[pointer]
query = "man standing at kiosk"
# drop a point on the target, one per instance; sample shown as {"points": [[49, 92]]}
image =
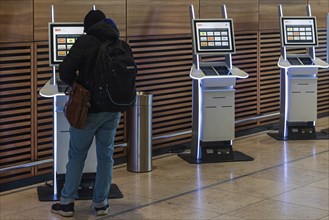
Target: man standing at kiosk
{"points": [[102, 125]]}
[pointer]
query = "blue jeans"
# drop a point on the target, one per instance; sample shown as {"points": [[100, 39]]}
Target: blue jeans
{"points": [[103, 126]]}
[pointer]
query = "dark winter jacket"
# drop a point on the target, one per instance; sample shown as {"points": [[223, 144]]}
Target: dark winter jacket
{"points": [[79, 64]]}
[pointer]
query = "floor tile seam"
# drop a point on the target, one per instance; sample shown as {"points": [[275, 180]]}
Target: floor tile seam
{"points": [[215, 184], [301, 186], [261, 199], [272, 200], [325, 170], [13, 191], [258, 196], [23, 211], [295, 188], [292, 203], [251, 204]]}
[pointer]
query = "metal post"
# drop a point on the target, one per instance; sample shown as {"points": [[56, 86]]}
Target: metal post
{"points": [[139, 134], [53, 82], [195, 57]]}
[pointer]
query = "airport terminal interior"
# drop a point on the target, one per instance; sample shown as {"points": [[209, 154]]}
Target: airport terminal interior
{"points": [[231, 118]]}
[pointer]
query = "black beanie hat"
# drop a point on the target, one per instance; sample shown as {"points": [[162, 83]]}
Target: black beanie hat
{"points": [[92, 18]]}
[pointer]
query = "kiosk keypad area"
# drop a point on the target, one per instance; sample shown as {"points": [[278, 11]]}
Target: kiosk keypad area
{"points": [[215, 70], [300, 61]]}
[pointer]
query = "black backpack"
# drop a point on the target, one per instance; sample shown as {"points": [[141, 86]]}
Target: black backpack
{"points": [[114, 88]]}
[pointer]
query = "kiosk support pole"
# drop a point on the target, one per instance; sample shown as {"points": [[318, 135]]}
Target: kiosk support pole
{"points": [[55, 119], [228, 57], [224, 11], [196, 58], [195, 149], [311, 50], [283, 49], [280, 10], [283, 96], [283, 104], [308, 10], [53, 82]]}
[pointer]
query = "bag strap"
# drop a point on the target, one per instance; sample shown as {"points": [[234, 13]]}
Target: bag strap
{"points": [[101, 47]]}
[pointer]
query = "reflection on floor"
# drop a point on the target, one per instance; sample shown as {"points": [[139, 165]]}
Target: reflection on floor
{"points": [[287, 180]]}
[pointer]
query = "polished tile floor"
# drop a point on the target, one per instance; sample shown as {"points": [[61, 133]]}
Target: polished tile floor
{"points": [[286, 180]]}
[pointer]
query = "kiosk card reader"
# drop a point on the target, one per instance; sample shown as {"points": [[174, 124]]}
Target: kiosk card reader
{"points": [[298, 78], [213, 93]]}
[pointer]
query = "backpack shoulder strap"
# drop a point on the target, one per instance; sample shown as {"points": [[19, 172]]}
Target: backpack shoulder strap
{"points": [[127, 47], [101, 46], [99, 43]]}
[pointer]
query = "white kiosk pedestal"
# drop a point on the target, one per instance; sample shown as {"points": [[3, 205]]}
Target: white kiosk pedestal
{"points": [[213, 93], [298, 80], [61, 133]]}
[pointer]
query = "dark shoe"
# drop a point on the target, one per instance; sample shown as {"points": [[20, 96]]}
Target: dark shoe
{"points": [[63, 210], [102, 211]]}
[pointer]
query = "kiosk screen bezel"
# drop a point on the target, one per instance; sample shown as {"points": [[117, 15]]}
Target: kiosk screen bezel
{"points": [[225, 26], [302, 22], [67, 32]]}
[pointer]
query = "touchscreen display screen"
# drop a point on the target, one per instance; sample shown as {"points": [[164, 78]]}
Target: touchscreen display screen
{"points": [[213, 36], [299, 31], [61, 38]]}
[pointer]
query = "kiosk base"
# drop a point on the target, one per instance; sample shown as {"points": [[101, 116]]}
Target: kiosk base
{"points": [[237, 156], [46, 193], [85, 191], [216, 152], [318, 136], [300, 131]]}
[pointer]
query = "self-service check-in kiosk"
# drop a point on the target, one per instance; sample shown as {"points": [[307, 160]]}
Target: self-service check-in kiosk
{"points": [[213, 93], [298, 78], [62, 35]]}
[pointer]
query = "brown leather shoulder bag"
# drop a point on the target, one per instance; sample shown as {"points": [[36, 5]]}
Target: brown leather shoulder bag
{"points": [[77, 105]]}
